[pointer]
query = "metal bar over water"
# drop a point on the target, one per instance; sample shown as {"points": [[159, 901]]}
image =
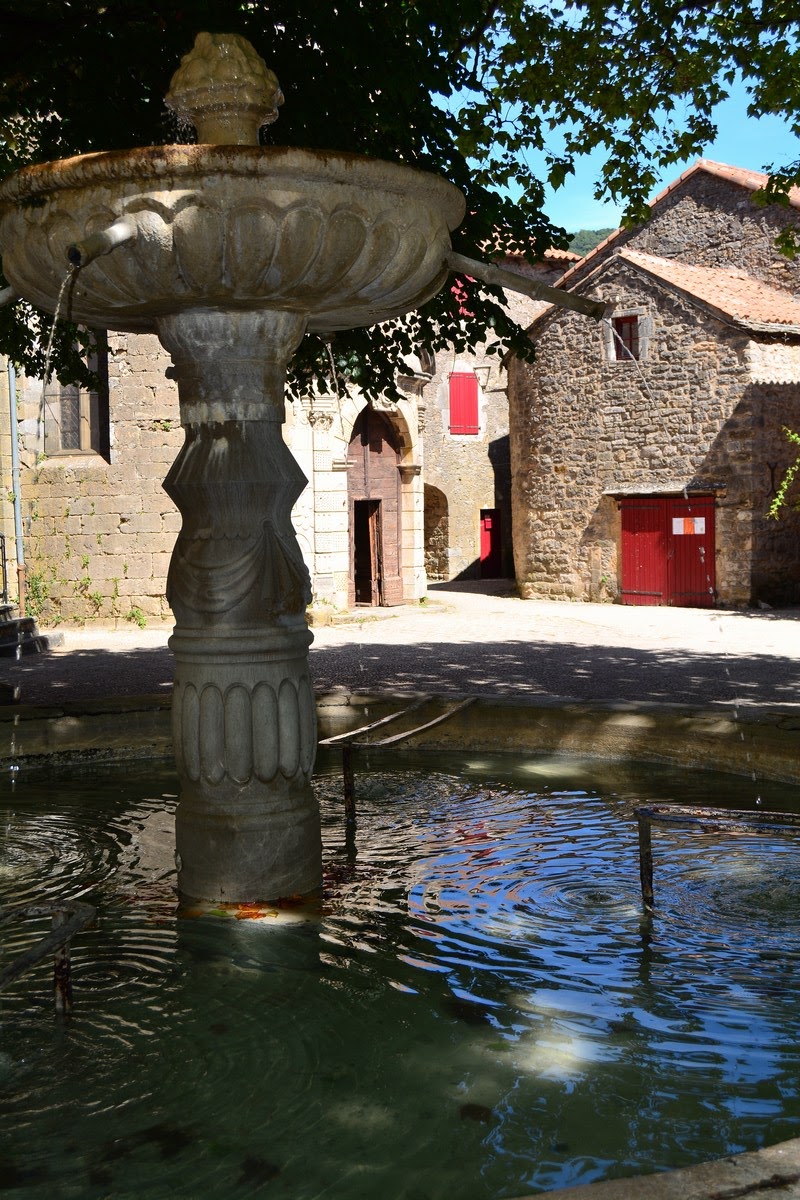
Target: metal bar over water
{"points": [[348, 743], [68, 919], [354, 733], [396, 738], [709, 819]]}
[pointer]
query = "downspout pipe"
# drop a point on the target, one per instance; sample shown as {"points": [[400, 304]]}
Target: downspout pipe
{"points": [[12, 404], [123, 230], [499, 277]]}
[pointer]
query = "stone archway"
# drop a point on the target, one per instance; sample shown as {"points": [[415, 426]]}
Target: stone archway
{"points": [[437, 535], [374, 494]]}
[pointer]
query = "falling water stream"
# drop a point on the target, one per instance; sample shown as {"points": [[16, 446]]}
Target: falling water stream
{"points": [[475, 1008], [68, 279]]}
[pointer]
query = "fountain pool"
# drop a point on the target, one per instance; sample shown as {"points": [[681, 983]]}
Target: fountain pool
{"points": [[476, 1008]]}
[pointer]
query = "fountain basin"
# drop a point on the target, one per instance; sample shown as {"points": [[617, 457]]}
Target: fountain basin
{"points": [[344, 239], [475, 1008]]}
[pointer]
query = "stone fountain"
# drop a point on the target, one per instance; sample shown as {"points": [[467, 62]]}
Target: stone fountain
{"points": [[230, 252]]}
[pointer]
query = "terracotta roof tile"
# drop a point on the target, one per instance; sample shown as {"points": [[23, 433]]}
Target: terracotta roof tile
{"points": [[554, 255], [733, 293]]}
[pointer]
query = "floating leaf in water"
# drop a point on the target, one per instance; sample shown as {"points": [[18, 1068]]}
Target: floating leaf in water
{"points": [[249, 912]]}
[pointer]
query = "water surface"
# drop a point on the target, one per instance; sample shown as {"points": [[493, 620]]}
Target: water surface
{"points": [[476, 1009]]}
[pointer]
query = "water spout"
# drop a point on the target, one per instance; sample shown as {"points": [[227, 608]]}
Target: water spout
{"points": [[528, 287], [102, 242]]}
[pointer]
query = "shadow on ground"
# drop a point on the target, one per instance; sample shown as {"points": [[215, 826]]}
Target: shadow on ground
{"points": [[524, 669]]}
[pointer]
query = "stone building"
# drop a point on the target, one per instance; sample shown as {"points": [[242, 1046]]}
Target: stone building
{"points": [[97, 527], [463, 413], [645, 449]]}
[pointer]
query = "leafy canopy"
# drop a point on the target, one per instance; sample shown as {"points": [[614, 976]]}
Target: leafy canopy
{"points": [[465, 90]]}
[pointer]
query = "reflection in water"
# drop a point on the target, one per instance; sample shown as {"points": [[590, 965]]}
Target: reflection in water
{"points": [[476, 1007]]}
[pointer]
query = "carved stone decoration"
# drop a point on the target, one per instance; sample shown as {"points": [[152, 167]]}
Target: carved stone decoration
{"points": [[225, 90], [349, 242], [320, 420], [244, 721]]}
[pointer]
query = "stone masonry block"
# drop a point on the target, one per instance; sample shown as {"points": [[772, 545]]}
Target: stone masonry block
{"points": [[139, 567]]}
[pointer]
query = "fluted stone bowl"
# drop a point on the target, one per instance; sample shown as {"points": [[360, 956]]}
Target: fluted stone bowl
{"points": [[347, 240]]}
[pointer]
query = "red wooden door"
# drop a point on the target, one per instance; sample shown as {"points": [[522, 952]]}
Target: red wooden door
{"points": [[667, 551], [690, 552], [491, 544], [644, 558]]}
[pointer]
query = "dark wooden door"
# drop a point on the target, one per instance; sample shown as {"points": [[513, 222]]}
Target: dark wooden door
{"points": [[375, 500], [367, 552]]}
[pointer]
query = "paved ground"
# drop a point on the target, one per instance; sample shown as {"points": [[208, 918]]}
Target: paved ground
{"points": [[478, 638]]}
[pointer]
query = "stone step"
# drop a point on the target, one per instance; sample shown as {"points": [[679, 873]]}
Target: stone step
{"points": [[21, 635]]}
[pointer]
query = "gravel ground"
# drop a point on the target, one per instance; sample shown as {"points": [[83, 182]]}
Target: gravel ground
{"points": [[477, 638]]}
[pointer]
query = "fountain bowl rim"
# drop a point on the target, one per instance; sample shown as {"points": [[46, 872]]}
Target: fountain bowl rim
{"points": [[176, 165]]}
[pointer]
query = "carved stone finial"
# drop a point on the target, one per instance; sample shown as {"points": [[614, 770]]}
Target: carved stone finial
{"points": [[225, 89]]}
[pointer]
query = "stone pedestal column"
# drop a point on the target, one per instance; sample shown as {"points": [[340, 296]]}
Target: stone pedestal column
{"points": [[244, 722]]}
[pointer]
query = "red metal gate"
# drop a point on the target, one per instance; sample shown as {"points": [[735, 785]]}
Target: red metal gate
{"points": [[668, 551]]}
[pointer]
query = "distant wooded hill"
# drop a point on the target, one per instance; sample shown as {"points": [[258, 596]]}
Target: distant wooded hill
{"points": [[586, 240]]}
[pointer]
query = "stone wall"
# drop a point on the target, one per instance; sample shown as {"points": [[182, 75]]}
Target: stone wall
{"points": [[98, 534], [688, 415], [585, 429], [467, 472], [709, 222]]}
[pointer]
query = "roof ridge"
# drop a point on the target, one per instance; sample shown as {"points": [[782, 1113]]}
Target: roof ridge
{"points": [[743, 176]]}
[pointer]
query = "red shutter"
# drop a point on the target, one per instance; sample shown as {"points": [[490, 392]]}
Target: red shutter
{"points": [[464, 402]]}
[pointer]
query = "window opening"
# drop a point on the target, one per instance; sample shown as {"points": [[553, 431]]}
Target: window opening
{"points": [[626, 337], [76, 419]]}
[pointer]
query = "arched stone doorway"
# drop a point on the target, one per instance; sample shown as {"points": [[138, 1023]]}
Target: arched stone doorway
{"points": [[437, 535], [375, 511]]}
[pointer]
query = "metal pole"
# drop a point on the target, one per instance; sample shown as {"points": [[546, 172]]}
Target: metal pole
{"points": [[12, 404], [62, 971], [348, 778], [645, 861]]}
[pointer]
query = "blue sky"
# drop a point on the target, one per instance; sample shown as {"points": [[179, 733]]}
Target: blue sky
{"points": [[742, 141]]}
